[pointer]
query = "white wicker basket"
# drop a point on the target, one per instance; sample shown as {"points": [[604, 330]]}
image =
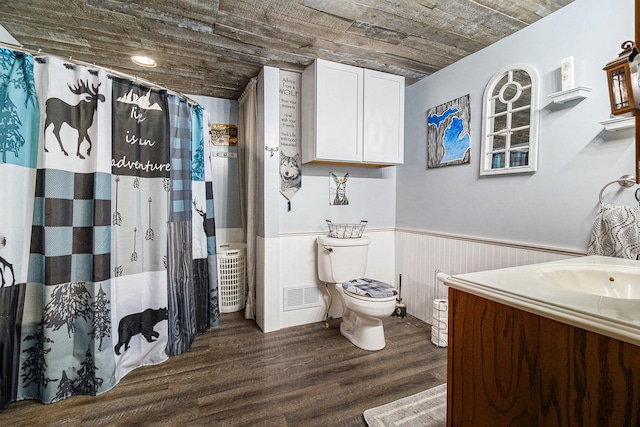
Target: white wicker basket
{"points": [[232, 276]]}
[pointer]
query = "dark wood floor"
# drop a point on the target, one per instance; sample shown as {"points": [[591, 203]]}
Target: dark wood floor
{"points": [[237, 376]]}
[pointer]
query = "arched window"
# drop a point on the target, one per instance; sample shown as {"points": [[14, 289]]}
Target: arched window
{"points": [[510, 122]]}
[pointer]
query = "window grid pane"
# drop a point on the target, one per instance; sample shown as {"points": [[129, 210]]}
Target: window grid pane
{"points": [[508, 134]]}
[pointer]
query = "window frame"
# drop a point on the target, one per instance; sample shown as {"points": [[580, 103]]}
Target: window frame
{"points": [[488, 153]]}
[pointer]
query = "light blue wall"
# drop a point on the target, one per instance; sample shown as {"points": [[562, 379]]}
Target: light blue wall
{"points": [[226, 186], [371, 194], [556, 205], [371, 191]]}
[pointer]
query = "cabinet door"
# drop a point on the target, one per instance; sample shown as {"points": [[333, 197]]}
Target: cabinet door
{"points": [[339, 112], [508, 367], [383, 118]]}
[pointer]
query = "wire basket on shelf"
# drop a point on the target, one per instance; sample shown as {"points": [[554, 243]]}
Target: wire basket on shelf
{"points": [[346, 231]]}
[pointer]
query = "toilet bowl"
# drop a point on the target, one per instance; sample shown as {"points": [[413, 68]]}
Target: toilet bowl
{"points": [[343, 260], [362, 318]]}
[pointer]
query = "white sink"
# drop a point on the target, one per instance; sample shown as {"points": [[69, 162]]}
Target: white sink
{"points": [[611, 281], [597, 293]]}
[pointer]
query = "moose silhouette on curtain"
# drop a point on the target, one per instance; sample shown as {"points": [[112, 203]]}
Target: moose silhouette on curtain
{"points": [[79, 116]]}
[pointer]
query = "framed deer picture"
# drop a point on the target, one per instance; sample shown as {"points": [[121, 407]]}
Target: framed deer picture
{"points": [[338, 189]]}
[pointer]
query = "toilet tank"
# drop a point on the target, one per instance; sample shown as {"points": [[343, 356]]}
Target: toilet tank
{"points": [[340, 260]]}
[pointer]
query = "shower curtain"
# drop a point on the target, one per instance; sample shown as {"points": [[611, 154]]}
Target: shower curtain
{"points": [[141, 169], [19, 120], [204, 241], [248, 160], [99, 272]]}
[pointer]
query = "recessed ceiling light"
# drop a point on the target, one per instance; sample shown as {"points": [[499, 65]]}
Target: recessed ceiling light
{"points": [[144, 61]]}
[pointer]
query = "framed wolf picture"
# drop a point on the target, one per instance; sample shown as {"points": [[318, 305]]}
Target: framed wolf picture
{"points": [[290, 159], [290, 174], [448, 134]]}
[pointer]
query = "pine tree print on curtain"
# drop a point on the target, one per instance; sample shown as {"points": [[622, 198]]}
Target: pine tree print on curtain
{"points": [[202, 220], [140, 189], [210, 231], [19, 122], [68, 291], [181, 292]]}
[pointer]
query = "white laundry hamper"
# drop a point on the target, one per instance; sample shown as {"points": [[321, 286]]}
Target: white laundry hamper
{"points": [[232, 276]]}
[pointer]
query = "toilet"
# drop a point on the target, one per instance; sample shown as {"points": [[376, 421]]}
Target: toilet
{"points": [[343, 262]]}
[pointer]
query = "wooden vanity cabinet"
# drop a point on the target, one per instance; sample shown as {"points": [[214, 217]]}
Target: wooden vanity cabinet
{"points": [[508, 367]]}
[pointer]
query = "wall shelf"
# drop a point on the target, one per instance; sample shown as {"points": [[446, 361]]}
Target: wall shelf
{"points": [[618, 123], [563, 96]]}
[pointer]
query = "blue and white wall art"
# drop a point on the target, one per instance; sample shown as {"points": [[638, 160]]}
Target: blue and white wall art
{"points": [[448, 135]]}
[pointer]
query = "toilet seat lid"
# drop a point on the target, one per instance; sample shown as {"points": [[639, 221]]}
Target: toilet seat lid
{"points": [[365, 298], [369, 290]]}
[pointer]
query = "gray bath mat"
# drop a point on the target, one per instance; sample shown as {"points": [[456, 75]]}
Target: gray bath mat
{"points": [[427, 408]]}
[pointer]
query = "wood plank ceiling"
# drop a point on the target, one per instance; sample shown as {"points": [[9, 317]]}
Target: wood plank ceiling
{"points": [[214, 47]]}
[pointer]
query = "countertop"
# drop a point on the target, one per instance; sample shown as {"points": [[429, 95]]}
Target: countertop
{"points": [[526, 288]]}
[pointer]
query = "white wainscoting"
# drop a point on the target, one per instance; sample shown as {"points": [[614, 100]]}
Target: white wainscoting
{"points": [[290, 261], [298, 267], [419, 254], [268, 305]]}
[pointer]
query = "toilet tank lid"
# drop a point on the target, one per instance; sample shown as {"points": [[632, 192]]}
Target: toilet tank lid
{"points": [[333, 241]]}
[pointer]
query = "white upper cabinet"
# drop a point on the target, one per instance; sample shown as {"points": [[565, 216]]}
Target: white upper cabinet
{"points": [[332, 112], [351, 115], [383, 118]]}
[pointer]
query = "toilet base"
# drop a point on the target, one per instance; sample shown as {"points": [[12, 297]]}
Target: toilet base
{"points": [[362, 319], [365, 333]]}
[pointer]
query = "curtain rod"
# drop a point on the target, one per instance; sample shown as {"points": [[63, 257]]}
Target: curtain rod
{"points": [[252, 82], [116, 73]]}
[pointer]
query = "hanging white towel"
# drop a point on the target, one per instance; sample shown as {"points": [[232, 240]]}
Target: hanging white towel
{"points": [[615, 232]]}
